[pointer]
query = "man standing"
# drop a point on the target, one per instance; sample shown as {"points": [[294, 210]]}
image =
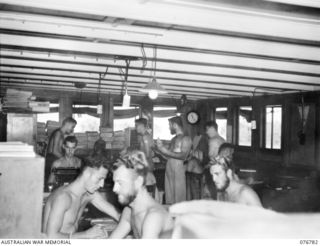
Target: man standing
{"points": [[146, 145], [175, 179], [54, 149], [229, 189], [142, 215], [214, 143], [65, 206], [198, 158], [68, 160]]}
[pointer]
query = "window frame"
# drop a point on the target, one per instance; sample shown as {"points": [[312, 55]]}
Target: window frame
{"points": [[215, 118], [264, 128], [237, 123]]}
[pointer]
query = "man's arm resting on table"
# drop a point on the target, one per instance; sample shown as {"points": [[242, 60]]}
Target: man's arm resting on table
{"points": [[153, 225], [103, 205], [124, 226], [55, 221]]}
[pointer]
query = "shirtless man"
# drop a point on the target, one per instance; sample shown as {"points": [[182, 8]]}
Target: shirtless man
{"points": [[142, 215], [229, 189], [175, 179], [214, 143], [65, 206], [68, 160], [146, 144], [54, 149]]}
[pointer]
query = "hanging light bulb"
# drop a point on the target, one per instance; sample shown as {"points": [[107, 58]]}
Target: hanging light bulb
{"points": [[153, 88], [153, 94]]}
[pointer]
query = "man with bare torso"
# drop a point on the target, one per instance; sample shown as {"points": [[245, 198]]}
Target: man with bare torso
{"points": [[68, 160], [175, 179], [229, 189], [54, 149], [65, 206], [214, 143], [146, 145], [142, 215]]}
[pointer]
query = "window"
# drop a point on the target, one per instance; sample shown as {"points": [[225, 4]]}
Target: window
{"points": [[273, 127], [244, 129], [121, 124], [85, 121], [160, 122], [221, 119]]}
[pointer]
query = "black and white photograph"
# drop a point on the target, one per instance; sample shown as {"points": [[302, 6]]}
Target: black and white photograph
{"points": [[159, 119]]}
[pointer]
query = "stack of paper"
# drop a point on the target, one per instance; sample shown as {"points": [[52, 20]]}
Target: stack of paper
{"points": [[16, 149]]}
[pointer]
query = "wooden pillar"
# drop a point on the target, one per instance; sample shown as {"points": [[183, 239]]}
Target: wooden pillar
{"points": [[107, 116], [147, 111], [317, 134], [65, 108]]}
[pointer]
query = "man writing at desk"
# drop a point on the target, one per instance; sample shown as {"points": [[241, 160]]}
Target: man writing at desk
{"points": [[68, 160], [54, 149], [65, 205]]}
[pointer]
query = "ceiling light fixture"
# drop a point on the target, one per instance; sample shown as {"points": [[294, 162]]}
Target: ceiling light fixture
{"points": [[153, 88], [126, 97]]}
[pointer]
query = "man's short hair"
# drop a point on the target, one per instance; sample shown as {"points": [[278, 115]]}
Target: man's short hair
{"points": [[69, 120], [212, 124], [135, 160], [70, 139], [223, 162], [142, 121], [177, 120], [100, 143], [225, 146]]}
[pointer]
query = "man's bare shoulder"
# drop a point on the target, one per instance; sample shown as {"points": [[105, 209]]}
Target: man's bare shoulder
{"points": [[187, 139], [248, 196], [216, 141], [60, 196], [58, 163]]}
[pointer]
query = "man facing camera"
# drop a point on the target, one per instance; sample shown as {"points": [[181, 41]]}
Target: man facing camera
{"points": [[142, 215], [68, 160], [65, 205], [229, 189]]}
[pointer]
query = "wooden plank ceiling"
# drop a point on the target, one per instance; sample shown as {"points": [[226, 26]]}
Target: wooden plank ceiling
{"points": [[205, 49]]}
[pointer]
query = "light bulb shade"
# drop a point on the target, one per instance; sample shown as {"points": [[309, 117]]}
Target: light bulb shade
{"points": [[155, 86], [153, 94]]}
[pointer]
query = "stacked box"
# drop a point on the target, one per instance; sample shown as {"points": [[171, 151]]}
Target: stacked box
{"points": [[118, 140], [92, 138], [82, 140], [39, 106], [41, 132], [17, 98]]}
